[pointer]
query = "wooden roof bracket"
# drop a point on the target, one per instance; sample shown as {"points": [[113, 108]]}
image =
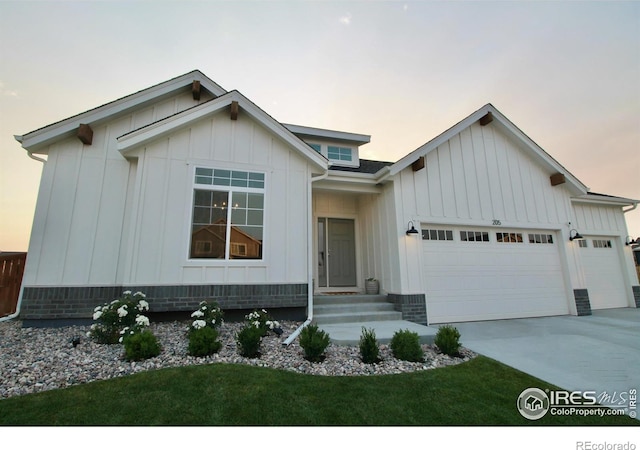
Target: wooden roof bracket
{"points": [[557, 178], [486, 119], [418, 164], [234, 110], [195, 90], [85, 134]]}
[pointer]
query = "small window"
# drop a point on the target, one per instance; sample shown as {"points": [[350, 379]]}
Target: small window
{"points": [[601, 243], [339, 153], [540, 238], [474, 236], [235, 178], [437, 235], [316, 147], [509, 237], [582, 243]]}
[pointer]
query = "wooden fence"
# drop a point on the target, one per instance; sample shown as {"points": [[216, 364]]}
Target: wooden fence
{"points": [[11, 271]]}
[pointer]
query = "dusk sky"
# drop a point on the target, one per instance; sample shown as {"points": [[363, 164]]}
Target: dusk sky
{"points": [[566, 73]]}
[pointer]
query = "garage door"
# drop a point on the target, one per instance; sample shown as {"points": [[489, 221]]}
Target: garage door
{"points": [[486, 274], [603, 273]]}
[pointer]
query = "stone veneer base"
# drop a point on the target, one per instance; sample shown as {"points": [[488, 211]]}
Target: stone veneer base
{"points": [[583, 305], [412, 306], [80, 301]]}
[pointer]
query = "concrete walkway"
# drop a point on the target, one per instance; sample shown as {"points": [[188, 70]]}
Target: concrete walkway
{"points": [[349, 333], [600, 352]]}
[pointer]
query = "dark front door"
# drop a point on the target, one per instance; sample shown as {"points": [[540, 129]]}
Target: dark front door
{"points": [[336, 252]]}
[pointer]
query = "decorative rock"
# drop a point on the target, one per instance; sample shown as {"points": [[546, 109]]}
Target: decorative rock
{"points": [[38, 359]]}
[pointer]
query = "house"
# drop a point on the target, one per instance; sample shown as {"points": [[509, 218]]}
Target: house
{"points": [[186, 191]]}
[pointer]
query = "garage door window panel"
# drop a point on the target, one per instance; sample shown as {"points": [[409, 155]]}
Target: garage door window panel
{"points": [[536, 238], [437, 235], [515, 238], [474, 236]]}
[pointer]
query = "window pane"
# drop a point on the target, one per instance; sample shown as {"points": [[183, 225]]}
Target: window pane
{"points": [[256, 201], [239, 216], [441, 235], [202, 198], [204, 172], [254, 217], [449, 235], [208, 229], [433, 234], [246, 226], [201, 215], [239, 199]]}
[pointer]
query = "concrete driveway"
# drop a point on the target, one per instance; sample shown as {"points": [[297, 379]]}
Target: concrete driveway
{"points": [[597, 353]]}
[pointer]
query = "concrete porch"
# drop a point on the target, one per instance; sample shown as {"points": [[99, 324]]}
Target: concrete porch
{"points": [[343, 316]]}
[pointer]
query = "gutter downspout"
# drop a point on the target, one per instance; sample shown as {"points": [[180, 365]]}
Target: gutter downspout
{"points": [[310, 286], [635, 205], [17, 313]]}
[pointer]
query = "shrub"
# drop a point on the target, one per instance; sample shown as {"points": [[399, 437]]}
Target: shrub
{"points": [[121, 314], [448, 340], [314, 342], [141, 345], [207, 315], [405, 345], [263, 320], [203, 342], [369, 349], [248, 340]]}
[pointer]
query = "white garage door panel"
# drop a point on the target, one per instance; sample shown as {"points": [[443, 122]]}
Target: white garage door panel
{"points": [[468, 281], [603, 275]]}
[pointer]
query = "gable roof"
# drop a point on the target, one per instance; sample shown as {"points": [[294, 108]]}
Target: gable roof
{"points": [[147, 133], [41, 137], [332, 135], [366, 166], [499, 120]]}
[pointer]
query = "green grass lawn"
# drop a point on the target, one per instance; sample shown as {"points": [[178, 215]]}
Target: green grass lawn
{"points": [[479, 392]]}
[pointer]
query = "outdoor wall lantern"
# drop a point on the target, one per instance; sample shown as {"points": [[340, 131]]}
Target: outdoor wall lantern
{"points": [[411, 229], [631, 241], [575, 237]]}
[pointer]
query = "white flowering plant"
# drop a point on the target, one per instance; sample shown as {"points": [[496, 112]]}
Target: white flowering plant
{"points": [[203, 333], [207, 315], [123, 316], [262, 320]]}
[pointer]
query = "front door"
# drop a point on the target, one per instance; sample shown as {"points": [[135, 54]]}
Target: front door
{"points": [[336, 252]]}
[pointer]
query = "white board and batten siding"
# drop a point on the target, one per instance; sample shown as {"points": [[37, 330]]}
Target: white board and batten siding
{"points": [[482, 180], [78, 236], [605, 262], [160, 251]]}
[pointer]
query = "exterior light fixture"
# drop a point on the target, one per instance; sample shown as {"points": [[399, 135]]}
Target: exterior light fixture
{"points": [[575, 237], [411, 229], [631, 241]]}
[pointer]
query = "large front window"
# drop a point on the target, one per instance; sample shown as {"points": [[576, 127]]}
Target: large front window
{"points": [[228, 214]]}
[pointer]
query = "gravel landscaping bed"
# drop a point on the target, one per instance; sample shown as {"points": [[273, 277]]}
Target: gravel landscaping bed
{"points": [[40, 359]]}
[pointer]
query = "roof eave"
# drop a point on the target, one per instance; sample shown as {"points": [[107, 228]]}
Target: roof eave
{"points": [[137, 138], [575, 186], [37, 139], [604, 200], [321, 133]]}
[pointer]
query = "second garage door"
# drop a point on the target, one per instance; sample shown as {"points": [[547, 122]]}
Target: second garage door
{"points": [[603, 273], [485, 274]]}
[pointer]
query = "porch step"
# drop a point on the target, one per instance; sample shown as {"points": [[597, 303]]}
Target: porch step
{"points": [[334, 309]]}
